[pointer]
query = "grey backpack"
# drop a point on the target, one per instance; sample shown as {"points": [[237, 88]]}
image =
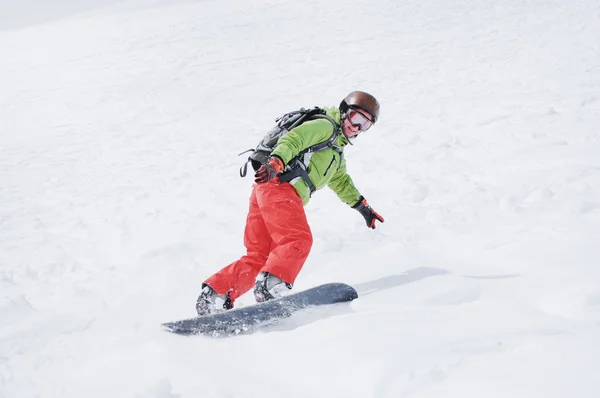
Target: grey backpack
{"points": [[285, 123]]}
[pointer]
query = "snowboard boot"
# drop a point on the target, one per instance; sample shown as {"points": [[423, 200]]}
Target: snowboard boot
{"points": [[269, 287], [210, 302]]}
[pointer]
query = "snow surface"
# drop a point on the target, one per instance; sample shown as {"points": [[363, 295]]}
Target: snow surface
{"points": [[119, 194]]}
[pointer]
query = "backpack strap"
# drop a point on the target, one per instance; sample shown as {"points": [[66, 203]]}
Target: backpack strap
{"points": [[330, 143], [244, 167], [297, 169]]}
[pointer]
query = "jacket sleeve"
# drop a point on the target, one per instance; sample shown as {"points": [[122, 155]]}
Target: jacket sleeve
{"points": [[342, 185], [304, 136]]}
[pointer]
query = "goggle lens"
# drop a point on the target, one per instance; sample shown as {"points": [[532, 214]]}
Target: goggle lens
{"points": [[359, 120]]}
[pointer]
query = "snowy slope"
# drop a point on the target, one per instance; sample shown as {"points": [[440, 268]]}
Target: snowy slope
{"points": [[120, 194]]}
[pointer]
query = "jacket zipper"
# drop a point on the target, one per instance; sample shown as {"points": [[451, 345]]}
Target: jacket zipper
{"points": [[328, 167]]}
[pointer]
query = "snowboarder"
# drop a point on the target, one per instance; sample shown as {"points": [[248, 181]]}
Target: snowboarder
{"points": [[277, 235]]}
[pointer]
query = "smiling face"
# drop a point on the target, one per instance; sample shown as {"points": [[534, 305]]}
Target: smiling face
{"points": [[356, 121]]}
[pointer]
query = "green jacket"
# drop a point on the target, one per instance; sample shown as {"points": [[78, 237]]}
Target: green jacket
{"points": [[324, 168]]}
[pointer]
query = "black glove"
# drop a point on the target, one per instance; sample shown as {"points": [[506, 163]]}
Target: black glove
{"points": [[367, 212], [269, 170]]}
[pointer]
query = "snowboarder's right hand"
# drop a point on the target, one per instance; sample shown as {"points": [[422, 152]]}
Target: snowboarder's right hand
{"points": [[367, 212], [269, 170]]}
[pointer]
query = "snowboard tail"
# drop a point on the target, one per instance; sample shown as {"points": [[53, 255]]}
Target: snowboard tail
{"points": [[248, 319]]}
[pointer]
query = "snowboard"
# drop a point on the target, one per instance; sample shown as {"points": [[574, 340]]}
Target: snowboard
{"points": [[248, 319]]}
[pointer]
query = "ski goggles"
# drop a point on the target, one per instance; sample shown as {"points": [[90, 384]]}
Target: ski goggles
{"points": [[359, 120]]}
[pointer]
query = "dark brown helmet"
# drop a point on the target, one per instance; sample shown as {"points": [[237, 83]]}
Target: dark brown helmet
{"points": [[362, 100]]}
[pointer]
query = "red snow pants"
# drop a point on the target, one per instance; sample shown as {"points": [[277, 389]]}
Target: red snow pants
{"points": [[277, 239]]}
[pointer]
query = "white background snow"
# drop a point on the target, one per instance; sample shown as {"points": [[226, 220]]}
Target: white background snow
{"points": [[120, 127]]}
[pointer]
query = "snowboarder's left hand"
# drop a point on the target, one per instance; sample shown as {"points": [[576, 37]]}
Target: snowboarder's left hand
{"points": [[367, 212], [269, 170]]}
